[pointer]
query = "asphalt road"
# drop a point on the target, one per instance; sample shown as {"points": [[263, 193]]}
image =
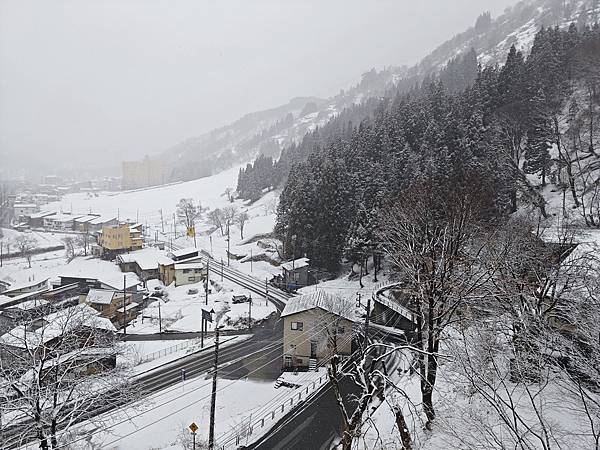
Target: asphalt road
{"points": [[318, 422]]}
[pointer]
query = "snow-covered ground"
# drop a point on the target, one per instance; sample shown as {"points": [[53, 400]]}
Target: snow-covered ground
{"points": [[182, 310], [161, 420], [53, 264], [42, 239]]}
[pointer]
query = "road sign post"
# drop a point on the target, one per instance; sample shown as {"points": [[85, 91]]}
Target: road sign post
{"points": [[193, 428]]}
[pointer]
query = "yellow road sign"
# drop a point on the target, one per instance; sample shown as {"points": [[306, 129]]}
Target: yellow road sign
{"points": [[193, 427]]}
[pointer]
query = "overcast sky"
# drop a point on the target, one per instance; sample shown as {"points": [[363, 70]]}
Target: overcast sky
{"points": [[107, 80]]}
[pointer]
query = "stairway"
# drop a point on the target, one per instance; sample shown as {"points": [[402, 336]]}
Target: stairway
{"points": [[312, 364]]}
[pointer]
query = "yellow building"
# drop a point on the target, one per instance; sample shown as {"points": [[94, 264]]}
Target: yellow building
{"points": [[119, 239], [143, 173]]}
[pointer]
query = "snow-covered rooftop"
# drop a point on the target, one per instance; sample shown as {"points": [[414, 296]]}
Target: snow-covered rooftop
{"points": [[100, 296], [102, 220], [57, 324], [41, 215], [184, 252], [63, 218], [320, 299], [86, 219], [296, 264], [30, 304], [41, 283], [147, 258]]}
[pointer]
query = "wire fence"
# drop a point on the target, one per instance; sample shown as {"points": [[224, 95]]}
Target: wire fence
{"points": [[166, 351]]}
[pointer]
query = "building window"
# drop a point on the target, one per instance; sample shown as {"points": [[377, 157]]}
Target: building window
{"points": [[341, 330], [293, 348], [297, 326]]}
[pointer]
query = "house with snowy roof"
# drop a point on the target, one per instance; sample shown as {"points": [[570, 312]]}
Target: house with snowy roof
{"points": [[110, 305], [40, 335], [295, 273], [315, 327], [144, 263]]}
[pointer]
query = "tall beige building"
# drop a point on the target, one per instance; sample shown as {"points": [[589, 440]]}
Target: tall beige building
{"points": [[143, 173]]}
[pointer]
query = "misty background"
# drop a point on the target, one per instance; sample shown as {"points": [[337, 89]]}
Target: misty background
{"points": [[95, 82]]}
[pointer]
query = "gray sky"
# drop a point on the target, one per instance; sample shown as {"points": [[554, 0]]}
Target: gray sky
{"points": [[107, 80]]}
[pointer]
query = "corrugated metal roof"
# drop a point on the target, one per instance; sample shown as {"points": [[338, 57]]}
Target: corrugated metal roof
{"points": [[320, 299]]}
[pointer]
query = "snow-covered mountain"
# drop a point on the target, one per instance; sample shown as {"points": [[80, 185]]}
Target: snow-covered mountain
{"points": [[271, 130]]}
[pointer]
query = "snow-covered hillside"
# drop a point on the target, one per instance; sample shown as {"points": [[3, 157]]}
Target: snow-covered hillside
{"points": [[270, 131]]}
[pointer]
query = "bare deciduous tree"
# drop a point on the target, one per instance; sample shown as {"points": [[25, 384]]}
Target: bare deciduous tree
{"points": [[241, 220], [229, 193], [26, 245], [229, 215], [434, 237], [56, 371], [69, 244], [84, 241], [215, 218], [188, 212]]}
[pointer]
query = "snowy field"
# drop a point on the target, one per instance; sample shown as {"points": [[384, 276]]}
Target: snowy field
{"points": [[155, 208], [42, 239]]}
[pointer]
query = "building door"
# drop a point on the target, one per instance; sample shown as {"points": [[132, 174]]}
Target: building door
{"points": [[287, 362], [313, 349]]}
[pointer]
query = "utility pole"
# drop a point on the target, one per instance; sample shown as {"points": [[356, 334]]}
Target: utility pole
{"points": [[137, 216], [250, 312], [159, 320], [266, 292], [211, 249], [174, 226], [221, 269], [250, 260], [1, 255], [202, 332], [213, 398], [118, 214], [124, 311], [162, 222], [367, 323], [207, 281], [194, 229], [228, 240]]}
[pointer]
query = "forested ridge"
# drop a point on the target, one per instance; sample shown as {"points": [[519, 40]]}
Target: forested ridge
{"points": [[535, 115]]}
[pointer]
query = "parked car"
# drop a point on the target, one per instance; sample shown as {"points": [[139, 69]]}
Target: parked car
{"points": [[192, 291], [239, 298]]}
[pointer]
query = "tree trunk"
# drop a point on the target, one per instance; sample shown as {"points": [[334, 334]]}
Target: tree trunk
{"points": [[53, 439], [567, 161], [403, 429], [347, 441]]}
